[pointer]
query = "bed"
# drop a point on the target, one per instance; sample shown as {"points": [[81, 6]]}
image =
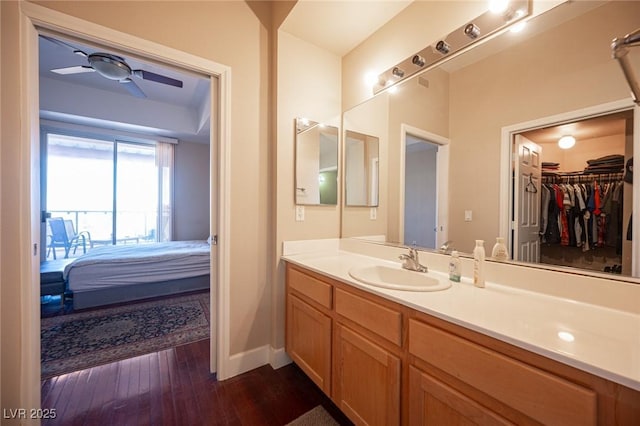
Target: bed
{"points": [[122, 273]]}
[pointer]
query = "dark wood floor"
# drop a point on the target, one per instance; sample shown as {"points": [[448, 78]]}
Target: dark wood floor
{"points": [[174, 387]]}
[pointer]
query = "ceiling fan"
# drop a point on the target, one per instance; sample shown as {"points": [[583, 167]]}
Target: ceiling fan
{"points": [[113, 67]]}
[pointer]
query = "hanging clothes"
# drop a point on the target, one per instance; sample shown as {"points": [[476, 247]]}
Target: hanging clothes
{"points": [[586, 215]]}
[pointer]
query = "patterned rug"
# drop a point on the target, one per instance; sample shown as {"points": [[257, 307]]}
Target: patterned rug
{"points": [[82, 340]]}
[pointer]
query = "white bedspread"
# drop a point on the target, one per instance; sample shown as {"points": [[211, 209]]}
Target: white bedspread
{"points": [[120, 265]]}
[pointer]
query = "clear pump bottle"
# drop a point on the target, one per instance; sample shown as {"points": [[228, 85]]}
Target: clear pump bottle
{"points": [[454, 267], [478, 264]]}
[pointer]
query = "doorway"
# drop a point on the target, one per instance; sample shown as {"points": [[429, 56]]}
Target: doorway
{"points": [[575, 206], [424, 169], [33, 18], [420, 192], [114, 186]]}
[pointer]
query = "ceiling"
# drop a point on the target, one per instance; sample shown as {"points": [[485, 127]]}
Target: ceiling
{"points": [[598, 127], [183, 113], [340, 26], [92, 94]]}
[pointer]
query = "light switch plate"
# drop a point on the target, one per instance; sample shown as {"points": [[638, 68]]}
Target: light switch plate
{"points": [[373, 213], [468, 215], [299, 213]]}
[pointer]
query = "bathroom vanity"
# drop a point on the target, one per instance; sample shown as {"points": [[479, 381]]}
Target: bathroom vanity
{"points": [[461, 354]]}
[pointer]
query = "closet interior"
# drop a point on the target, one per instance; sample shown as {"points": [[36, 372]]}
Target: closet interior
{"points": [[586, 194]]}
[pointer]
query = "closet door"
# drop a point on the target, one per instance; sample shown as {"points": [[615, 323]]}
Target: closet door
{"points": [[526, 201]]}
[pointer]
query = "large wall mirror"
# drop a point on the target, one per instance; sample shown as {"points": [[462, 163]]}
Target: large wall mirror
{"points": [[541, 83], [316, 179]]}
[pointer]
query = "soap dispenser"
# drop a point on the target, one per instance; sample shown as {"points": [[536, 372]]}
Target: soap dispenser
{"points": [[478, 264], [454, 267]]}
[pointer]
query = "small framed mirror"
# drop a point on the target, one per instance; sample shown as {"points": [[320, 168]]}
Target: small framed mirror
{"points": [[316, 178], [361, 156]]}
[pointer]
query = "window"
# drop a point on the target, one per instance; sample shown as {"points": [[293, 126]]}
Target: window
{"points": [[119, 192]]}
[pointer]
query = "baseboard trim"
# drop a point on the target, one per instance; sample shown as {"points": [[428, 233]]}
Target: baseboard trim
{"points": [[254, 358], [278, 358], [246, 361]]}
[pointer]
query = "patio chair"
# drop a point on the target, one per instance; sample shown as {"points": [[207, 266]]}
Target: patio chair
{"points": [[63, 234]]}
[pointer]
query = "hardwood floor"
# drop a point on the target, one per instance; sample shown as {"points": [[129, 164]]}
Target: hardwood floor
{"points": [[174, 387]]}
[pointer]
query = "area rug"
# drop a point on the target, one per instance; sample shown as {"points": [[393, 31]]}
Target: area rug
{"points": [[87, 339], [315, 417]]}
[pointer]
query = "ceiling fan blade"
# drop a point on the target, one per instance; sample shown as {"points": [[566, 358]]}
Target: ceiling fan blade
{"points": [[148, 75], [65, 45], [73, 70], [133, 88]]}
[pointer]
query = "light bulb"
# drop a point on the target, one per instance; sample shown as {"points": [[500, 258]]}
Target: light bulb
{"points": [[370, 79], [498, 6], [566, 142]]}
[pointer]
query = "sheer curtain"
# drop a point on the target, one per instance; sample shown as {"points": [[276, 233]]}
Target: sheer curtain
{"points": [[164, 164]]}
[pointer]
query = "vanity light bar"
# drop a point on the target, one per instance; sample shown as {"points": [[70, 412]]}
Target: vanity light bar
{"points": [[483, 27]]}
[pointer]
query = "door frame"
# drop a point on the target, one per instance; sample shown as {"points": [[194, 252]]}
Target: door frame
{"points": [[442, 180], [506, 161], [34, 17]]}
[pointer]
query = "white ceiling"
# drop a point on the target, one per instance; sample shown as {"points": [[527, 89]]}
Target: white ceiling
{"points": [[90, 96], [340, 26]]}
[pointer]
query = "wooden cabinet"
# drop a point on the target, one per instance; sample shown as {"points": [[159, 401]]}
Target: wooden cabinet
{"points": [[308, 326], [308, 341], [383, 363], [366, 379], [359, 366], [518, 389], [433, 402]]}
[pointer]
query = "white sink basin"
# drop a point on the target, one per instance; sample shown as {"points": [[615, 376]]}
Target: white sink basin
{"points": [[398, 278]]}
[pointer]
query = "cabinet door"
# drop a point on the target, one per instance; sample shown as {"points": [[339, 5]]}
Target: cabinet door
{"points": [[432, 402], [366, 379], [308, 341]]}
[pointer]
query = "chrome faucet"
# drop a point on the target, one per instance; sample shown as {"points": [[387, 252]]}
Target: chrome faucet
{"points": [[412, 261], [446, 247]]}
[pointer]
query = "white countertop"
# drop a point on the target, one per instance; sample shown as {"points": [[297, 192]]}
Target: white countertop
{"points": [[606, 341]]}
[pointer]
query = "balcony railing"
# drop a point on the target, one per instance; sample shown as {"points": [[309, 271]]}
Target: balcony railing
{"points": [[132, 227]]}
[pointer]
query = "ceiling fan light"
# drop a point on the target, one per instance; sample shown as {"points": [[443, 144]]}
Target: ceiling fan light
{"points": [[566, 142], [109, 66]]}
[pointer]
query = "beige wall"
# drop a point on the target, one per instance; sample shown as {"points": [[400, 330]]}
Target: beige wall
{"points": [[308, 85], [420, 23], [199, 28], [1, 276], [10, 303], [514, 87]]}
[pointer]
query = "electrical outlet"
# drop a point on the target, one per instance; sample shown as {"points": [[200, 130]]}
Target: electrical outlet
{"points": [[299, 213], [373, 213], [468, 215]]}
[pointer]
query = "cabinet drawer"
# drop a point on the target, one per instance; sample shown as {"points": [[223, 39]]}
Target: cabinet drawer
{"points": [[540, 395], [309, 286], [377, 318]]}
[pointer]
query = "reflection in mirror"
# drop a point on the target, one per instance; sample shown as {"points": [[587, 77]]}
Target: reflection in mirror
{"points": [[316, 179], [509, 85], [361, 156]]}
